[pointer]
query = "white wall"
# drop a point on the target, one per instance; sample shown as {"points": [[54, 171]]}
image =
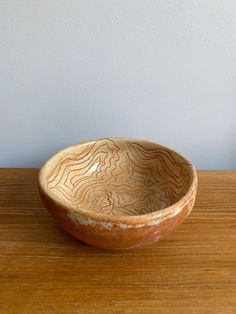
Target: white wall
{"points": [[72, 70]]}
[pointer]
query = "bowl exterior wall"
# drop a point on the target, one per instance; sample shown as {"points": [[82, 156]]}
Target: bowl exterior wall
{"points": [[117, 236]]}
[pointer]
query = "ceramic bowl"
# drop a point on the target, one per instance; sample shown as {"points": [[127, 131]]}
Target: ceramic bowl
{"points": [[118, 193]]}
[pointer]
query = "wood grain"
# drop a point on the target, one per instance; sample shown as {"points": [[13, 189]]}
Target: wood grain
{"points": [[44, 270]]}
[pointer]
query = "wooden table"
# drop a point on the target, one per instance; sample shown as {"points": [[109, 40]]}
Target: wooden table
{"points": [[45, 270]]}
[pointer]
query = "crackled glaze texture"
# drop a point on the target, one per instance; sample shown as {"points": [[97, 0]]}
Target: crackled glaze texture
{"points": [[120, 178], [118, 193]]}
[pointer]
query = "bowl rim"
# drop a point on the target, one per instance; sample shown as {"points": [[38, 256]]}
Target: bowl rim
{"points": [[130, 219]]}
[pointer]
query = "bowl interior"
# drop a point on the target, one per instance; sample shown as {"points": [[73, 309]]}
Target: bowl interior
{"points": [[121, 177]]}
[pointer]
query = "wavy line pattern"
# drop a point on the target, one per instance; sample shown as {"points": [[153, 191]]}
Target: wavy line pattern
{"points": [[118, 177]]}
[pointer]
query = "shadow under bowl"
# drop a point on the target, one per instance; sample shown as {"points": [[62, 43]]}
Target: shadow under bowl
{"points": [[118, 193]]}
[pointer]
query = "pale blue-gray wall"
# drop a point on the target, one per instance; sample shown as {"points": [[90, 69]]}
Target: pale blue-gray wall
{"points": [[75, 70]]}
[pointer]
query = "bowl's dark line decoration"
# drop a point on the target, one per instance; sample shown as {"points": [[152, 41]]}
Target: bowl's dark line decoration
{"points": [[120, 178]]}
